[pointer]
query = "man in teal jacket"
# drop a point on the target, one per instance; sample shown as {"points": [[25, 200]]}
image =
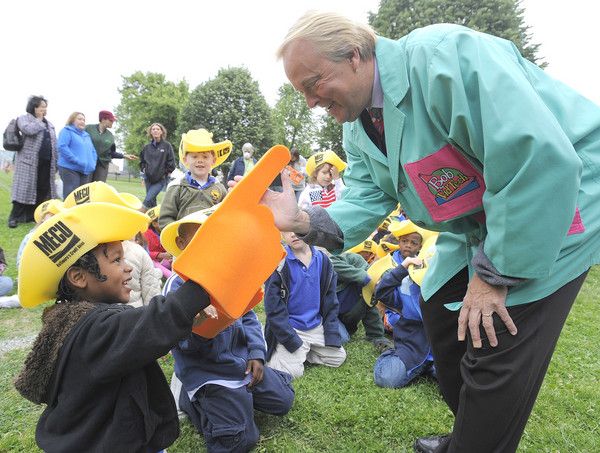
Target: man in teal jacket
{"points": [[484, 146]]}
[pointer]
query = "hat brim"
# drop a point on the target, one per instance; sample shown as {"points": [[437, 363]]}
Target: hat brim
{"points": [[329, 157], [101, 192], [169, 233], [51, 206], [417, 274], [375, 271], [60, 241], [221, 150]]}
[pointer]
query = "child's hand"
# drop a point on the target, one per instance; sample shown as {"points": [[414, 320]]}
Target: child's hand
{"points": [[412, 260], [335, 174], [255, 367], [211, 312]]}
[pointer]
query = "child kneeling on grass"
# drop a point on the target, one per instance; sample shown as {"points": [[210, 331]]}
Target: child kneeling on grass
{"points": [[224, 378], [411, 355], [302, 311], [94, 362]]}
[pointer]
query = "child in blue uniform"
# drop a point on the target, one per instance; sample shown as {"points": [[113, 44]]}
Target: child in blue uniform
{"points": [[224, 378], [411, 356]]}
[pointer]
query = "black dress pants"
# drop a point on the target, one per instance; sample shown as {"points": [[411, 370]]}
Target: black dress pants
{"points": [[491, 391]]}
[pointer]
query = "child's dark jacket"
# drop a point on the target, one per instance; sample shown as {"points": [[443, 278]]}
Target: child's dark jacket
{"points": [[277, 325], [106, 391]]}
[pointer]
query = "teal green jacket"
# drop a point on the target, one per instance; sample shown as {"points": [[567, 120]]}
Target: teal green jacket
{"points": [[485, 146]]}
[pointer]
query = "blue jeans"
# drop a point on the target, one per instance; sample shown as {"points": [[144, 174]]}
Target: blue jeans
{"points": [[390, 371], [6, 285], [72, 180], [152, 191]]}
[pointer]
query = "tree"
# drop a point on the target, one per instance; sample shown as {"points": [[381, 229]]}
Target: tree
{"points": [[503, 18], [293, 120], [232, 107], [330, 136], [148, 98]]}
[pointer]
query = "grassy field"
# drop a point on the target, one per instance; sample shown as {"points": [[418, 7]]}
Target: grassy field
{"points": [[341, 409]]}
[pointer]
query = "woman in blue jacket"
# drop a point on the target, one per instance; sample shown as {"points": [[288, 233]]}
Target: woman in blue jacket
{"points": [[76, 154]]}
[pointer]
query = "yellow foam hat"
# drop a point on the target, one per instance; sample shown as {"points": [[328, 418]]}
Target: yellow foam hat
{"points": [[417, 274], [153, 213], [405, 227], [100, 191], [53, 206], [200, 141], [324, 157], [61, 240], [375, 271], [385, 248], [233, 271], [170, 232], [367, 245]]}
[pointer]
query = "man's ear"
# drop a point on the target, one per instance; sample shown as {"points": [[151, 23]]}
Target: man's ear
{"points": [[355, 60], [77, 277]]}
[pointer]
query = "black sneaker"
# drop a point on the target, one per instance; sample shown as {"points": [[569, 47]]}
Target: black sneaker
{"points": [[12, 223], [430, 444]]}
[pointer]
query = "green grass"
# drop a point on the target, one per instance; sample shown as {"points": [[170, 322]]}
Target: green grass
{"points": [[341, 409]]}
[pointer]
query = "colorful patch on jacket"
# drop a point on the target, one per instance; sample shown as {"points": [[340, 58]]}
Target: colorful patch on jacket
{"points": [[447, 183]]}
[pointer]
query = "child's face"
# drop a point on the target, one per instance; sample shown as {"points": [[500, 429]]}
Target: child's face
{"points": [[186, 232], [292, 240], [368, 256], [200, 164], [155, 225], [324, 176], [410, 244], [115, 289]]}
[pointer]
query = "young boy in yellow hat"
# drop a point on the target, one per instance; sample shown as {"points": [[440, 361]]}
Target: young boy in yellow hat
{"points": [[197, 189], [411, 355], [94, 361], [324, 182], [223, 378]]}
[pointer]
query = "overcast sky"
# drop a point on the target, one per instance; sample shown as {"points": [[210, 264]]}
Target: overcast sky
{"points": [[74, 53]]}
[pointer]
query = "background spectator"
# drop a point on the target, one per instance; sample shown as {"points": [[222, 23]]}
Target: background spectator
{"points": [[76, 154], [157, 161], [243, 164], [35, 164]]}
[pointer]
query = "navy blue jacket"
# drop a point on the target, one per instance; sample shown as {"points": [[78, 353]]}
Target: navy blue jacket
{"points": [[277, 292], [226, 356], [396, 291], [237, 168]]}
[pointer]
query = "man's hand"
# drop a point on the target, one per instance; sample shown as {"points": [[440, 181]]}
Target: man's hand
{"points": [[288, 216], [481, 301], [255, 367]]}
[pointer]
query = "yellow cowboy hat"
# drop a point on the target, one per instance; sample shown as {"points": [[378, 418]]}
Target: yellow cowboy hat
{"points": [[404, 227], [324, 157], [417, 274], [375, 271], [100, 191], [171, 231], [368, 245], [153, 213], [200, 141], [385, 248], [53, 206], [61, 240]]}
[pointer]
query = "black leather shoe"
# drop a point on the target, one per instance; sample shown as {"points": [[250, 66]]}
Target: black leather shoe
{"points": [[430, 444], [12, 223]]}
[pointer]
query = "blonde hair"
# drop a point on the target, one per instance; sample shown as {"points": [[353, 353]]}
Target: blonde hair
{"points": [[312, 178], [72, 117], [162, 128], [333, 35]]}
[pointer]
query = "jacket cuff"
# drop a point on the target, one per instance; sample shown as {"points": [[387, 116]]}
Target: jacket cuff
{"points": [[488, 273], [293, 343], [192, 296], [323, 231], [333, 339], [256, 354]]}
